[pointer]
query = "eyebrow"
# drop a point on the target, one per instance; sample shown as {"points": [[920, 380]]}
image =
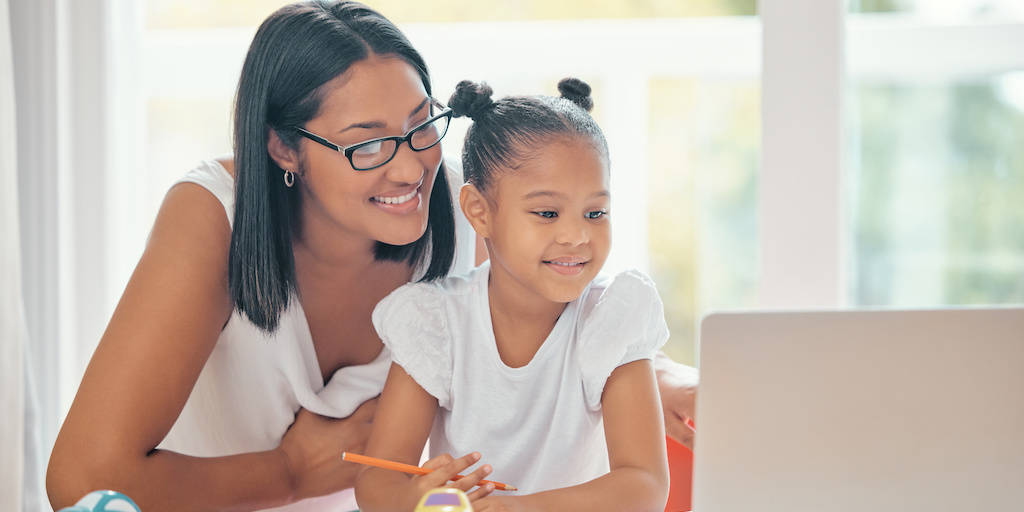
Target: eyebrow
{"points": [[379, 124], [559, 195]]}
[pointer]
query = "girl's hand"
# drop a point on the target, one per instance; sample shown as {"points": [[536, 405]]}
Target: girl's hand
{"points": [[446, 467], [312, 448]]}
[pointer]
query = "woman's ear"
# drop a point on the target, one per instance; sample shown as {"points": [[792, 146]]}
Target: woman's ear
{"points": [[285, 157], [476, 209]]}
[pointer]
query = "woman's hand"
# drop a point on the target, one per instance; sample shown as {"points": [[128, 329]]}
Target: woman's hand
{"points": [[677, 384], [312, 448]]}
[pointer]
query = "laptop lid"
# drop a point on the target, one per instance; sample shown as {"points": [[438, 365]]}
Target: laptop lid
{"points": [[861, 411]]}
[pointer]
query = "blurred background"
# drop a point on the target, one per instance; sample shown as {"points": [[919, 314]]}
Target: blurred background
{"points": [[935, 157], [932, 128]]}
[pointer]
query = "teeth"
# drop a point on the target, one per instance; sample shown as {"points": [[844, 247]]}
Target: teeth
{"points": [[395, 200], [565, 264]]}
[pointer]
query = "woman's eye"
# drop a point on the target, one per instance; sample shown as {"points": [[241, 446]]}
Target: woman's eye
{"points": [[547, 215], [369, 149], [596, 215]]}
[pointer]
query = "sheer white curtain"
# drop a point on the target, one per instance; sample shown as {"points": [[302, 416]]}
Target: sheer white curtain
{"points": [[12, 327], [20, 457]]}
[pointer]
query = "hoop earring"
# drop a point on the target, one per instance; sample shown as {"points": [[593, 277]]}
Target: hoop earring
{"points": [[289, 179]]}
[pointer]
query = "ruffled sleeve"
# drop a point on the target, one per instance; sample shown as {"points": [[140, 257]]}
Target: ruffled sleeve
{"points": [[411, 323], [627, 324]]}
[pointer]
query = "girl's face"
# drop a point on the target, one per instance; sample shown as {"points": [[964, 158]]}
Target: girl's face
{"points": [[376, 97], [549, 232]]}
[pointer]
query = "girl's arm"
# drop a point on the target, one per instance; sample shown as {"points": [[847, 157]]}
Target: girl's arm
{"points": [[400, 431], [144, 369], [638, 480]]}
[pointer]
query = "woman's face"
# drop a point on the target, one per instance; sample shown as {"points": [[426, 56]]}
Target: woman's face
{"points": [[376, 97]]}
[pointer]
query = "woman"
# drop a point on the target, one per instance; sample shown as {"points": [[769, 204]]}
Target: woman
{"points": [[241, 339]]}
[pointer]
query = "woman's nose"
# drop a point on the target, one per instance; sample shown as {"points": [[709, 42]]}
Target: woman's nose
{"points": [[406, 166]]}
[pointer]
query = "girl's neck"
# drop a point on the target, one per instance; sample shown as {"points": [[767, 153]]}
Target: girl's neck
{"points": [[521, 322]]}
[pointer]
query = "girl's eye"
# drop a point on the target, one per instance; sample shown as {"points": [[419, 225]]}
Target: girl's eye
{"points": [[547, 215], [596, 215]]}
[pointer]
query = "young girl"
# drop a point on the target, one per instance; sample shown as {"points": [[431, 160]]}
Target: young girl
{"points": [[533, 362]]}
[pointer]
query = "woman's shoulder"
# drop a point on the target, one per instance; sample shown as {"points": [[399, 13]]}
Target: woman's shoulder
{"points": [[214, 177], [196, 213]]}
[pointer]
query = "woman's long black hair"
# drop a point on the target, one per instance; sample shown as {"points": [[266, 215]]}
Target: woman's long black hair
{"points": [[295, 52]]}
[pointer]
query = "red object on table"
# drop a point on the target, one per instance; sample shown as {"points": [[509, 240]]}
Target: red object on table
{"points": [[680, 470]]}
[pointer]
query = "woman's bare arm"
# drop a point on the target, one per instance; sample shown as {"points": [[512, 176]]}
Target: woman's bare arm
{"points": [[143, 371], [677, 384]]}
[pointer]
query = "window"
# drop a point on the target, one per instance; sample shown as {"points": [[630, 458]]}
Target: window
{"points": [[936, 170], [933, 111]]}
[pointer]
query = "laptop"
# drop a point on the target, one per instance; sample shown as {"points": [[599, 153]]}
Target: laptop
{"points": [[861, 410]]}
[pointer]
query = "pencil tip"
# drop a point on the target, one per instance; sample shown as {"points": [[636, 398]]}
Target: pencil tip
{"points": [[510, 488]]}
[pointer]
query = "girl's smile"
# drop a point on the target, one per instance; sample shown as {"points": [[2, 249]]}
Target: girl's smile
{"points": [[567, 266]]}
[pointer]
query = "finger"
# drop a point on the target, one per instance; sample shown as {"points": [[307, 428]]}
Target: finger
{"points": [[678, 430], [480, 492], [452, 470], [460, 464], [438, 461], [473, 479]]}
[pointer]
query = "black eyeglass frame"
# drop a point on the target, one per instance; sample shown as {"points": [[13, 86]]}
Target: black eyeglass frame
{"points": [[399, 139]]}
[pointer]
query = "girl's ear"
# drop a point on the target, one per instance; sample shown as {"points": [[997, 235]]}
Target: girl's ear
{"points": [[476, 209], [286, 158]]}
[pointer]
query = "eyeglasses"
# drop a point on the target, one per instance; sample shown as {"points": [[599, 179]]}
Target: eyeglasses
{"points": [[374, 153]]}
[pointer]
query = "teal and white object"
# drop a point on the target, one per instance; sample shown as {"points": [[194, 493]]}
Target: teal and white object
{"points": [[103, 501]]}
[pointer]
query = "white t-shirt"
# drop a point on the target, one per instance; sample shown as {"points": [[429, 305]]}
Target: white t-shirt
{"points": [[540, 425], [253, 384]]}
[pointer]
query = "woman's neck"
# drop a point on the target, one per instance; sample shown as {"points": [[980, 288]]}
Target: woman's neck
{"points": [[320, 241]]}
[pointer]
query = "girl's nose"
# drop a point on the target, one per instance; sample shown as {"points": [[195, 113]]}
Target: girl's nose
{"points": [[573, 233]]}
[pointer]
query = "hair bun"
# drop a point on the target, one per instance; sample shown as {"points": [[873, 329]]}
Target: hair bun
{"points": [[576, 91], [470, 98]]}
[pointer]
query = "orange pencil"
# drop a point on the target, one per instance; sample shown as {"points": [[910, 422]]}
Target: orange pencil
{"points": [[409, 468]]}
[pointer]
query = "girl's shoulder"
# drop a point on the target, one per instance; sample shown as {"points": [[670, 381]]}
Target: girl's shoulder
{"points": [[424, 302], [622, 320], [627, 291], [451, 287]]}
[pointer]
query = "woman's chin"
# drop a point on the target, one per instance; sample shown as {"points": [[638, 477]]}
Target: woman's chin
{"points": [[402, 237]]}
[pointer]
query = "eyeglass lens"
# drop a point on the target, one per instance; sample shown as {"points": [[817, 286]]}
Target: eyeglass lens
{"points": [[378, 152]]}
